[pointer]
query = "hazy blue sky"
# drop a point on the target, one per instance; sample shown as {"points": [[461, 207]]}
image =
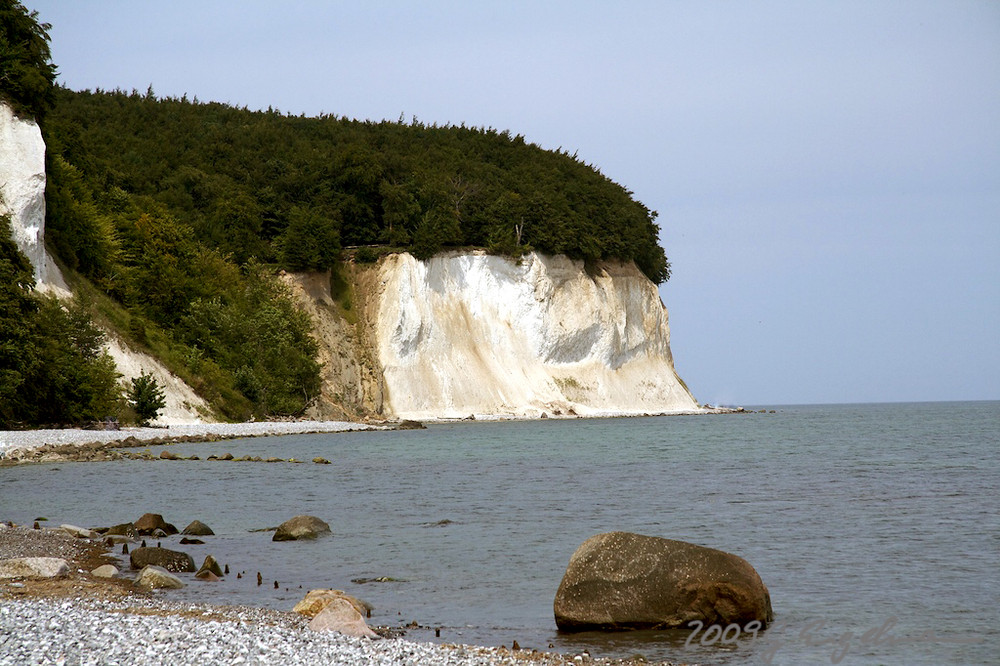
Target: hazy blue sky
{"points": [[827, 173]]}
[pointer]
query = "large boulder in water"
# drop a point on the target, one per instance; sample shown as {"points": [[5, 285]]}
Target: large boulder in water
{"points": [[621, 580], [171, 560], [300, 527]]}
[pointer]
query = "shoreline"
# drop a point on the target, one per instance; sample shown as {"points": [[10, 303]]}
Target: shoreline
{"points": [[57, 444], [86, 445], [72, 617]]}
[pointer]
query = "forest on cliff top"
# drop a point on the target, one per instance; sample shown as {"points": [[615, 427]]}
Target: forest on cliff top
{"points": [[293, 190], [174, 216]]}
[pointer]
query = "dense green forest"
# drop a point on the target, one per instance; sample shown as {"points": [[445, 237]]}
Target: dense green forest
{"points": [[177, 214], [292, 190]]}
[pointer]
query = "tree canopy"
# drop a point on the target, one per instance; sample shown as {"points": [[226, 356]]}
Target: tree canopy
{"points": [[294, 189], [26, 71]]}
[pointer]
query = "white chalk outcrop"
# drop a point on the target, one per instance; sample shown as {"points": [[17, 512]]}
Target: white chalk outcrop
{"points": [[473, 334], [22, 195]]}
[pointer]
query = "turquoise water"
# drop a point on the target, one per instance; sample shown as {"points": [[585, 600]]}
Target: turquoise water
{"points": [[880, 518]]}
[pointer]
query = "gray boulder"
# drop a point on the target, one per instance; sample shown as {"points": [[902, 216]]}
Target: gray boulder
{"points": [[33, 567], [621, 580], [171, 560], [300, 527], [156, 578]]}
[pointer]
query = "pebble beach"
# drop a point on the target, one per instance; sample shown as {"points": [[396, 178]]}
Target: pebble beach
{"points": [[16, 442], [80, 619]]}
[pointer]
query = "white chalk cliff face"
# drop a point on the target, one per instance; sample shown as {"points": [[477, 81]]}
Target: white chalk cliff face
{"points": [[22, 195], [475, 334]]}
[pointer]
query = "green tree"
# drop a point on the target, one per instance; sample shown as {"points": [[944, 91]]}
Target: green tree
{"points": [[310, 243], [146, 398], [73, 380], [26, 71], [17, 311]]}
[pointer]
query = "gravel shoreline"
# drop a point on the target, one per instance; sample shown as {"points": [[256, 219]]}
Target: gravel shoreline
{"points": [[16, 444], [80, 619]]}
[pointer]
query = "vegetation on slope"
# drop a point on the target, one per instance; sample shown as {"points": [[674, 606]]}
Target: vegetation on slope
{"points": [[53, 368]]}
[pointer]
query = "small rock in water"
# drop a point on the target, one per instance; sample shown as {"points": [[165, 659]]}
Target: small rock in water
{"points": [[210, 564], [301, 527], [197, 528]]}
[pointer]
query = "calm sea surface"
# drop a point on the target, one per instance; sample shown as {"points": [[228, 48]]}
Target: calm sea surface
{"points": [[859, 518]]}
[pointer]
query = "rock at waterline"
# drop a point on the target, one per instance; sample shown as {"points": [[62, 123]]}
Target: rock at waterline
{"points": [[80, 532], [155, 578], [210, 565], [621, 580], [198, 528], [341, 616], [126, 530], [316, 600], [300, 527], [171, 560], [33, 567], [150, 522]]}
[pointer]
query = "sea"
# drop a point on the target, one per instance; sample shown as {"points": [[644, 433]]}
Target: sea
{"points": [[876, 527]]}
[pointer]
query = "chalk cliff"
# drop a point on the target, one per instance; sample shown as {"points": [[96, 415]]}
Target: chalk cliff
{"points": [[472, 334], [22, 195], [478, 334], [461, 334]]}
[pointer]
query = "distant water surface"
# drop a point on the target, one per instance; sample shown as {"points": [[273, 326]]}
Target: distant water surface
{"points": [[859, 518]]}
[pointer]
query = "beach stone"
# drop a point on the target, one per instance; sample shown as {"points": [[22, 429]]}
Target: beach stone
{"points": [[208, 576], [80, 532], [126, 530], [211, 565], [33, 567], [171, 560], [166, 454], [198, 528], [621, 580], [150, 522], [341, 616], [316, 600], [155, 578], [300, 527], [105, 571]]}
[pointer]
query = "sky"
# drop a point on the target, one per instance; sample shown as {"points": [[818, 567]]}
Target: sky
{"points": [[826, 173]]}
